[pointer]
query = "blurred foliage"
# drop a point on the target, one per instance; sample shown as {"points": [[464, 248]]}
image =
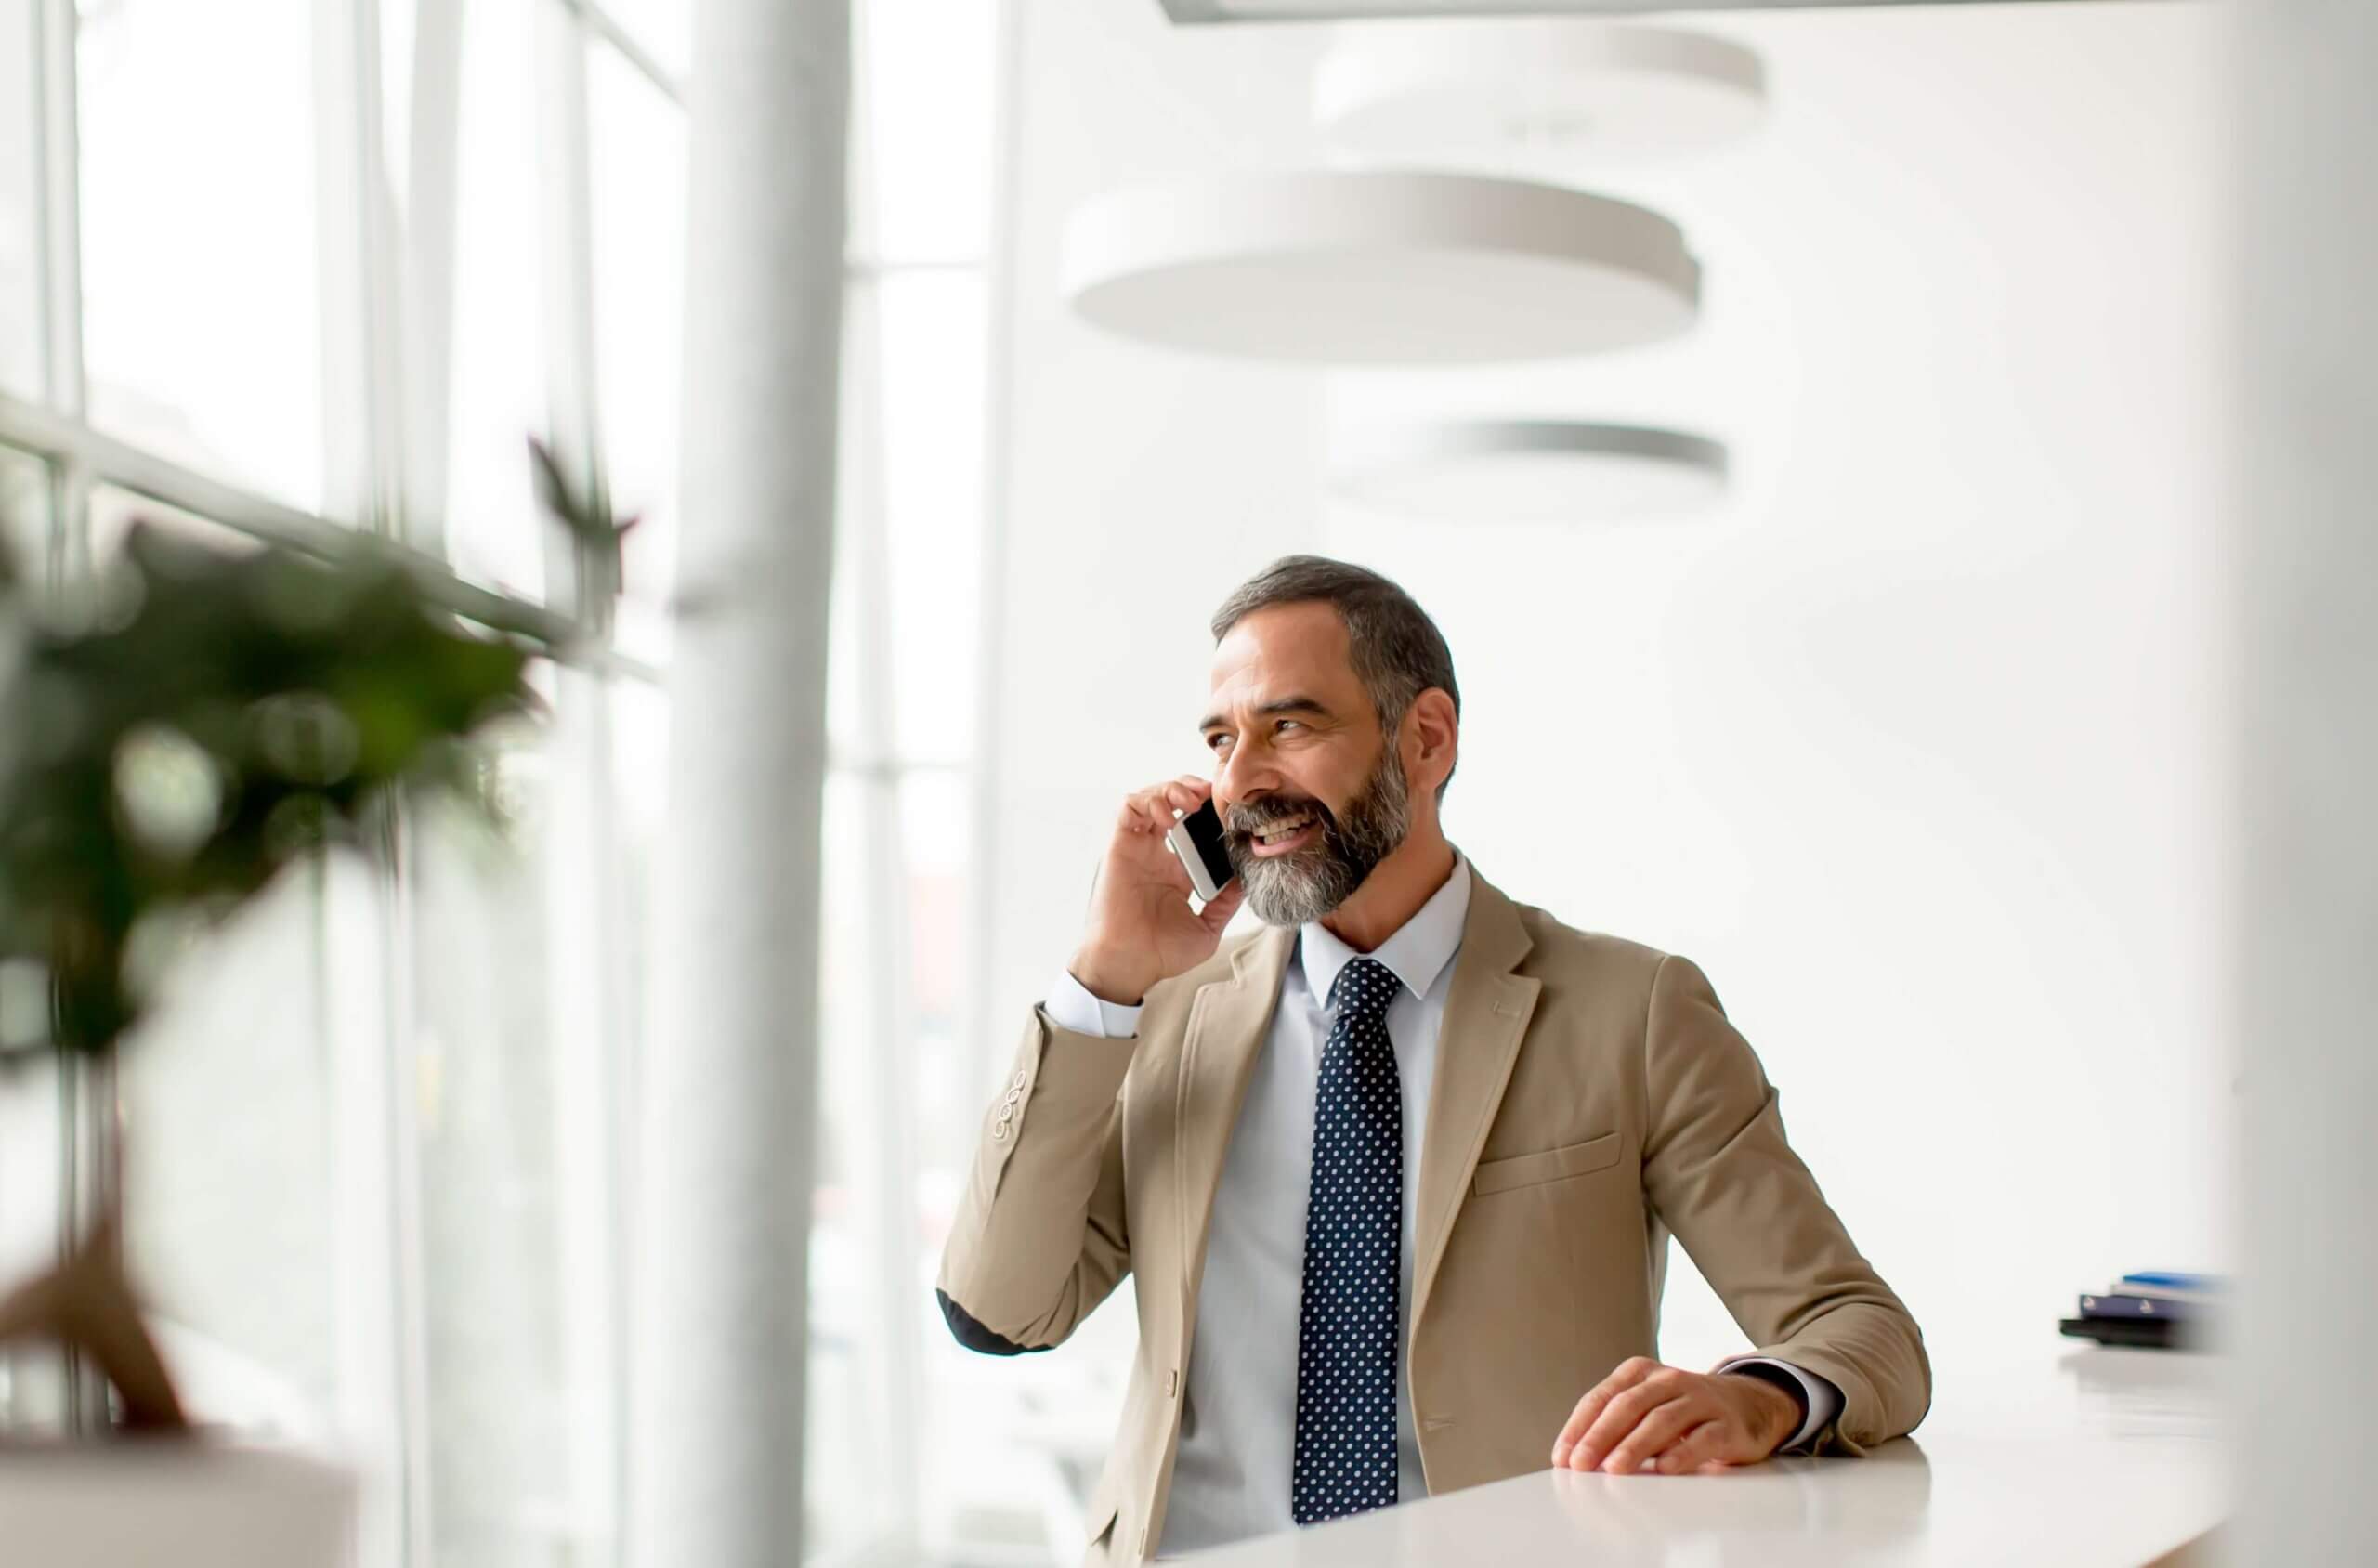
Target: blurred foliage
{"points": [[201, 720]]}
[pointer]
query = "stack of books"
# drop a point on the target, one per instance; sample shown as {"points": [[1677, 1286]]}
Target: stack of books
{"points": [[2158, 1311]]}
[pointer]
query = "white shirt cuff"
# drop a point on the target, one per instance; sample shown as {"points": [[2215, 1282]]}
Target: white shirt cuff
{"points": [[1824, 1400], [1071, 1006]]}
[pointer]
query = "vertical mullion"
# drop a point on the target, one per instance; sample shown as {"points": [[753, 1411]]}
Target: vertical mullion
{"points": [[998, 359], [583, 1026], [891, 1054], [382, 1353], [566, 229], [59, 217], [426, 293], [68, 553], [361, 362], [401, 1073], [589, 1063]]}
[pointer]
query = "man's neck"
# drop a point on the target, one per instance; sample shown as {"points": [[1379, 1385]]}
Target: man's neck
{"points": [[1394, 890]]}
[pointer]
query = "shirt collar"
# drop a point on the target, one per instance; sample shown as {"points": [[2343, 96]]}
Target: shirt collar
{"points": [[1415, 954]]}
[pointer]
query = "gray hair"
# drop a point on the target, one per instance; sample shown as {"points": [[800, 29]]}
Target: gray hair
{"points": [[1397, 650]]}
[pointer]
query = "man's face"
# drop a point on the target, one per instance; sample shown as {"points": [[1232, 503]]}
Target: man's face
{"points": [[1312, 795]]}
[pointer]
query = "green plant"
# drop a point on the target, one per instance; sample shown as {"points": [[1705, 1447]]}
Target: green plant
{"points": [[189, 728]]}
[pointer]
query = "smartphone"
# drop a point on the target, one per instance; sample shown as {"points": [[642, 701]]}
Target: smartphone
{"points": [[1197, 839]]}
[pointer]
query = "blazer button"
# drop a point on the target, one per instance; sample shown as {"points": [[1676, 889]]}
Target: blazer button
{"points": [[999, 1127]]}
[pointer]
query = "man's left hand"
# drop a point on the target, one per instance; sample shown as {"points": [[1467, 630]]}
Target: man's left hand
{"points": [[1681, 1419]]}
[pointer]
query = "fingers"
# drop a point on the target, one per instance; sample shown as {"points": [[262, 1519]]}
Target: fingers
{"points": [[1704, 1444], [1657, 1433], [1186, 794], [1626, 1375], [1146, 813], [1152, 809], [1642, 1392]]}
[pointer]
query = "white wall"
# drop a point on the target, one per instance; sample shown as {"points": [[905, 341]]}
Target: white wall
{"points": [[1910, 744]]}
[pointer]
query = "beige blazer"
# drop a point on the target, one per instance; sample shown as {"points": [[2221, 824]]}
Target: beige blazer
{"points": [[1590, 1098]]}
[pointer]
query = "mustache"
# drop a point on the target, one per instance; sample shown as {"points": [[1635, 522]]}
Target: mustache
{"points": [[1248, 821]]}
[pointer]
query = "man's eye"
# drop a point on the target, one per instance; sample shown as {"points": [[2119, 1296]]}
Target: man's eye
{"points": [[1214, 742]]}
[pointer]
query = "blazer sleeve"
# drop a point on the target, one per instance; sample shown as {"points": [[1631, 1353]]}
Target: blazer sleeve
{"points": [[1039, 1238], [1719, 1173]]}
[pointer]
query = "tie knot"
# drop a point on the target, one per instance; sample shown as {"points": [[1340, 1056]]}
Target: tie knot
{"points": [[1363, 989]]}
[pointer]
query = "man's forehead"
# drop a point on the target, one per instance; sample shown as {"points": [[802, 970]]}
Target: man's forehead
{"points": [[1304, 644], [1253, 681]]}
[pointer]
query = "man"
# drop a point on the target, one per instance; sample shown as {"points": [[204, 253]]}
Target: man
{"points": [[1395, 1172]]}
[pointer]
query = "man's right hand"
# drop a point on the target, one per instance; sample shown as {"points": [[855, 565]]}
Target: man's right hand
{"points": [[1142, 929]]}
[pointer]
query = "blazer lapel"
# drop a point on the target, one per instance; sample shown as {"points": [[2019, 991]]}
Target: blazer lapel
{"points": [[1228, 1021], [1486, 1014]]}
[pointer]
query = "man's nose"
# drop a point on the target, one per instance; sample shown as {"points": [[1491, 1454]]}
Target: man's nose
{"points": [[1239, 780]]}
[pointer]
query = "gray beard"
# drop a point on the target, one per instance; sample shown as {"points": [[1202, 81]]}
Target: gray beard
{"points": [[1293, 889]]}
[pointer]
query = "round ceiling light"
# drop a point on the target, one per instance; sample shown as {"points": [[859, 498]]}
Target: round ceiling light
{"points": [[1533, 470], [1478, 95], [1375, 267]]}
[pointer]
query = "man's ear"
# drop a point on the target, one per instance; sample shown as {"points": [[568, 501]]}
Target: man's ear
{"points": [[1435, 732]]}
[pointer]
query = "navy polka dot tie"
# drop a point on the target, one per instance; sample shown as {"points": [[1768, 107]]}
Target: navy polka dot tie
{"points": [[1353, 1227]]}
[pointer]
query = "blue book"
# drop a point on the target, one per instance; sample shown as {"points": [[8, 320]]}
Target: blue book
{"points": [[2170, 1284]]}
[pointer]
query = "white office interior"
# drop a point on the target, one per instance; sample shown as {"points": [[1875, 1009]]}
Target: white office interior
{"points": [[1899, 524]]}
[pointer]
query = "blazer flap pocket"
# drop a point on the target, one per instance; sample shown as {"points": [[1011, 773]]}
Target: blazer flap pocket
{"points": [[1526, 1170]]}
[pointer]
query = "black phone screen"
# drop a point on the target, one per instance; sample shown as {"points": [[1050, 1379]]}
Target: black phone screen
{"points": [[1205, 826]]}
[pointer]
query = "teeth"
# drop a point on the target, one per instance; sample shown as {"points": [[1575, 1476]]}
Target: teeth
{"points": [[1279, 831]]}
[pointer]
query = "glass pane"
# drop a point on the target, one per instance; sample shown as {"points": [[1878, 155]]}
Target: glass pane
{"points": [[663, 29], [24, 513], [200, 329], [921, 130], [893, 959], [637, 155], [640, 786], [230, 1164], [845, 723], [934, 833], [933, 328], [845, 1425], [21, 356], [495, 396], [516, 1043]]}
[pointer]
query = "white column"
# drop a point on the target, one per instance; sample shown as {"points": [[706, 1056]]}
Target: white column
{"points": [[2305, 544], [728, 1080]]}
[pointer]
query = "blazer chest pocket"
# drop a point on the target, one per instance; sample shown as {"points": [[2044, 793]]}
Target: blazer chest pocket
{"points": [[1528, 1170]]}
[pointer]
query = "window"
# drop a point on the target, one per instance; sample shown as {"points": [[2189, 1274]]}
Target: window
{"points": [[380, 1142], [201, 320], [20, 358]]}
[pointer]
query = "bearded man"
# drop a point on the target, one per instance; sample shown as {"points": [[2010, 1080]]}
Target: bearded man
{"points": [[1395, 1171]]}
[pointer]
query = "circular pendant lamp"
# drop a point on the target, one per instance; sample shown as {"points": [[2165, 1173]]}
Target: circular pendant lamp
{"points": [[1486, 94], [1379, 266], [1531, 471]]}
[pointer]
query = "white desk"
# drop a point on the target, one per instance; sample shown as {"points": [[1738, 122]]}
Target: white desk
{"points": [[2088, 1457]]}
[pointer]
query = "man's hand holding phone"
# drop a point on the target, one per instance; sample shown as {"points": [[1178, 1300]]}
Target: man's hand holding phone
{"points": [[1142, 929]]}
